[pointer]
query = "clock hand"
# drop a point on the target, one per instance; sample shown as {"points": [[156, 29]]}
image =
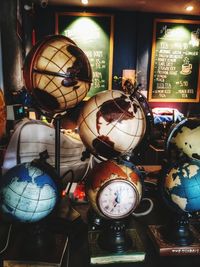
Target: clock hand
{"points": [[114, 205], [118, 197], [115, 202]]}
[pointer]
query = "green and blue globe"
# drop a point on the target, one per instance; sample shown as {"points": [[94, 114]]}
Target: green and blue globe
{"points": [[27, 193], [181, 187]]}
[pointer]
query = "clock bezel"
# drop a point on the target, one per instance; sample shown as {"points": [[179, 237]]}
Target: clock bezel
{"points": [[113, 181]]}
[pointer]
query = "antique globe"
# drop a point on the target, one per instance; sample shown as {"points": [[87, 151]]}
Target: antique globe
{"points": [[57, 73], [27, 193], [2, 114], [110, 124], [114, 190], [181, 192], [184, 140], [181, 187]]}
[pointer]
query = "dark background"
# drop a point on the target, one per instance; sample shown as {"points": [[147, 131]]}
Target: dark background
{"points": [[133, 33], [132, 43]]}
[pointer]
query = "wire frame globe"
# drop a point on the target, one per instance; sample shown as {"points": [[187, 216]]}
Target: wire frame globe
{"points": [[2, 114], [110, 124], [57, 73]]}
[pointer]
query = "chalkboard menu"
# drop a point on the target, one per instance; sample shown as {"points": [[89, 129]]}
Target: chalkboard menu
{"points": [[175, 62], [93, 33]]}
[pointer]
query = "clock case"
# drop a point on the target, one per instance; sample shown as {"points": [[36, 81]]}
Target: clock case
{"points": [[113, 235]]}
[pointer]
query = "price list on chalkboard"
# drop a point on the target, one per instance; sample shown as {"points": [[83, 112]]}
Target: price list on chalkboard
{"points": [[98, 61], [93, 34], [175, 61]]}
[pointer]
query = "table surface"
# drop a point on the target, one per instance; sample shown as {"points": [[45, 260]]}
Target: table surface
{"points": [[77, 231], [79, 255]]}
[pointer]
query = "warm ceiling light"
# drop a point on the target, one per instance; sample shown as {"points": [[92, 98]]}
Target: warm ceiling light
{"points": [[84, 2], [189, 8]]}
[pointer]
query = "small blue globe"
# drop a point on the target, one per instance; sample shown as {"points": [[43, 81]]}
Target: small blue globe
{"points": [[181, 187], [27, 193]]}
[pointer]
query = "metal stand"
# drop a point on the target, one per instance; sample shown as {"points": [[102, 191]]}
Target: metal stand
{"points": [[57, 143], [178, 231], [114, 237]]}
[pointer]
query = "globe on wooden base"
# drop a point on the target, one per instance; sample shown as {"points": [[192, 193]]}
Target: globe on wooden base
{"points": [[180, 190], [57, 73], [114, 191]]}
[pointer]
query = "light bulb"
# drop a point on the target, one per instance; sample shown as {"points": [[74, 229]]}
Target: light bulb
{"points": [[189, 8], [84, 2]]}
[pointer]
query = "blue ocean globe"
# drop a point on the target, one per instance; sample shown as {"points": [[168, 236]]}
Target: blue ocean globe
{"points": [[27, 193], [181, 187]]}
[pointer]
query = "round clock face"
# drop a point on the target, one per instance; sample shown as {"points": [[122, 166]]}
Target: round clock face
{"points": [[117, 199]]}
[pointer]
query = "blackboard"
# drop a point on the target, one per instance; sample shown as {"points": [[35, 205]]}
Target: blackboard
{"points": [[93, 33], [175, 71]]}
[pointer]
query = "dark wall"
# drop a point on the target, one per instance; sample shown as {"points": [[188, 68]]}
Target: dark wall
{"points": [[132, 43], [11, 49], [125, 31]]}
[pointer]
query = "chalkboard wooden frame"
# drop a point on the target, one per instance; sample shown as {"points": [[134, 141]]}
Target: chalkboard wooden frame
{"points": [[152, 96], [110, 33]]}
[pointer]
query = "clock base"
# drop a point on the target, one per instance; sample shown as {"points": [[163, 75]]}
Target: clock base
{"points": [[99, 255], [114, 237]]}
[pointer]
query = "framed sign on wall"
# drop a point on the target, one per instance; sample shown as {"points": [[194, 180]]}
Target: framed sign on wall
{"points": [[175, 61], [93, 33]]}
